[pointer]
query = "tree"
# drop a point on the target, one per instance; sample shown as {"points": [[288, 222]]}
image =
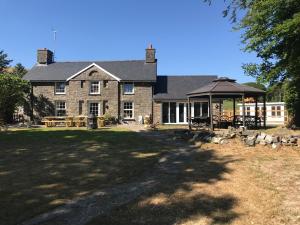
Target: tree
{"points": [[256, 85], [13, 91], [271, 28], [4, 61], [19, 70]]}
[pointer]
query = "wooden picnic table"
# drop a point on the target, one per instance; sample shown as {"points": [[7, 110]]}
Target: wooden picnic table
{"points": [[68, 121]]}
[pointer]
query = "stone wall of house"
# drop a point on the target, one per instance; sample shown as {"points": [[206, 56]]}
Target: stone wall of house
{"points": [[142, 99], [157, 112], [111, 93], [79, 91]]}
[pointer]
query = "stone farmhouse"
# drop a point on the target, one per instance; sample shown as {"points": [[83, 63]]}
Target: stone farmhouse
{"points": [[127, 90]]}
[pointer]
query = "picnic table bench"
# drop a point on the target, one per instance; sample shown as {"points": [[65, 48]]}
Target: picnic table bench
{"points": [[52, 121]]}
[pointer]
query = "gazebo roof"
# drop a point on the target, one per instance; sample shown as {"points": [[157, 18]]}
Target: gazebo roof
{"points": [[224, 85]]}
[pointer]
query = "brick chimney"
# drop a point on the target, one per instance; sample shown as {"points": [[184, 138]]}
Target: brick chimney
{"points": [[150, 54], [44, 56]]}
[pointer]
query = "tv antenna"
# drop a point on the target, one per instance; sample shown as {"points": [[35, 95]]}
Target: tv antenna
{"points": [[54, 31]]}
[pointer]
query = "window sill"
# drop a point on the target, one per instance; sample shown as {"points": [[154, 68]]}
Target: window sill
{"points": [[94, 93], [128, 94], [59, 93]]}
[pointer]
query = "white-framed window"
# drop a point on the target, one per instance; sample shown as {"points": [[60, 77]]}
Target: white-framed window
{"points": [[60, 108], [276, 111], [94, 87], [128, 88], [248, 111], [94, 108], [60, 88], [128, 110]]}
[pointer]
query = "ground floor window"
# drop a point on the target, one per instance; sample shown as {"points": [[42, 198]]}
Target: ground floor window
{"points": [[128, 110], [248, 111], [60, 108], [94, 108], [276, 111], [177, 112]]}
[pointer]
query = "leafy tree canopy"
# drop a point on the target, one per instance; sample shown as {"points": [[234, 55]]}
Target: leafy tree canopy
{"points": [[12, 93], [4, 61], [256, 85], [271, 29], [19, 70]]}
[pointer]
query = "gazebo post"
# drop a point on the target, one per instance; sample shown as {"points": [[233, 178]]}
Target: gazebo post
{"points": [[211, 113], [189, 113], [256, 112], [220, 112], [233, 111], [265, 111], [243, 100]]}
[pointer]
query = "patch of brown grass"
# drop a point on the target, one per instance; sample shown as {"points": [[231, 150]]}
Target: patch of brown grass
{"points": [[253, 186]]}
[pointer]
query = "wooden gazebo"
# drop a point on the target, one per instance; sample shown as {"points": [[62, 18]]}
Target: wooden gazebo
{"points": [[225, 88]]}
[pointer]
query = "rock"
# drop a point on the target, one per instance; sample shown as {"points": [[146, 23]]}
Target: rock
{"points": [[250, 142], [261, 137], [224, 141], [232, 135], [276, 145], [194, 138], [275, 139], [206, 138], [284, 140], [269, 139], [217, 140], [198, 143], [293, 140]]}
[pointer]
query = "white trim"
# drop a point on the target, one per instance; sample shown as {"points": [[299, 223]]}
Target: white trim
{"points": [[57, 101], [128, 93], [99, 67], [128, 118], [59, 93], [99, 87], [99, 106]]}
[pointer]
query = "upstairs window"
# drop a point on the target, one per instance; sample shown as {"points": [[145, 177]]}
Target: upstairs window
{"points": [[95, 87], [60, 88], [128, 88]]}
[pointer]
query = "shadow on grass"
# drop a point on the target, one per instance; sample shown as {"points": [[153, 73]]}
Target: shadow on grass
{"points": [[41, 170], [178, 197]]}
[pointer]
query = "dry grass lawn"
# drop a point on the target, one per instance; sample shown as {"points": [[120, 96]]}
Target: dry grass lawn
{"points": [[222, 184], [41, 169]]}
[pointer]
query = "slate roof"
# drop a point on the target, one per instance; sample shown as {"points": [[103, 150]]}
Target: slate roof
{"points": [[225, 85], [131, 70], [176, 87]]}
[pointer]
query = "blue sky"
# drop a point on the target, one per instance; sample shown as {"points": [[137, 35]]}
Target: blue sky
{"points": [[191, 37]]}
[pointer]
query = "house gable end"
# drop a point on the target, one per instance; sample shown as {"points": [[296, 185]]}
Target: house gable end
{"points": [[93, 72]]}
